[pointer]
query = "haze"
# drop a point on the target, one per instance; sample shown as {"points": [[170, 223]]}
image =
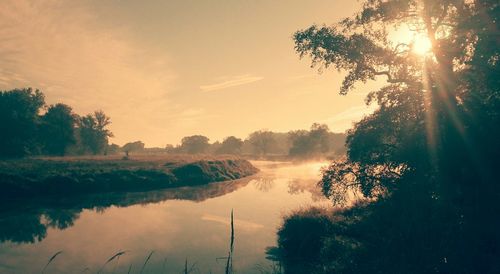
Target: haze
{"points": [[163, 70]]}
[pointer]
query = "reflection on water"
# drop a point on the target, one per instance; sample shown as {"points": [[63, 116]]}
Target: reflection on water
{"points": [[189, 223]]}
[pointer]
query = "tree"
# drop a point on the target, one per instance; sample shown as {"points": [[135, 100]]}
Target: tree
{"points": [[19, 109], [57, 129], [262, 141], [113, 149], [230, 145], [194, 144], [133, 146], [94, 133], [422, 117], [428, 154], [310, 143]]}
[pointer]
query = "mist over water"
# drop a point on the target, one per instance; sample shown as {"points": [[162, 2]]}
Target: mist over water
{"points": [[189, 223]]}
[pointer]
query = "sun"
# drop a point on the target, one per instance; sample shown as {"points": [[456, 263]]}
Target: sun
{"points": [[421, 45]]}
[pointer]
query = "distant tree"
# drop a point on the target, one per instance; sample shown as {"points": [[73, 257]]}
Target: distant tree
{"points": [[262, 142], [194, 144], [230, 145], [133, 146], [310, 143], [57, 129], [169, 148], [94, 133], [113, 149], [19, 120]]}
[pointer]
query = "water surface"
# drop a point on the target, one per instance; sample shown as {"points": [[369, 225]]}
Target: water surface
{"points": [[191, 223]]}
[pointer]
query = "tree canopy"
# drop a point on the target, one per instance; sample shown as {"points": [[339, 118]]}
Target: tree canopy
{"points": [[426, 158], [19, 119], [194, 144], [58, 129]]}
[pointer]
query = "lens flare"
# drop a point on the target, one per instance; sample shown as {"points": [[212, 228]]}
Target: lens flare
{"points": [[421, 45]]}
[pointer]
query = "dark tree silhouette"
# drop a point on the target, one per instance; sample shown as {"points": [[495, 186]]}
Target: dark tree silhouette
{"points": [[427, 156], [230, 145], [19, 109], [57, 129], [194, 144], [94, 133]]}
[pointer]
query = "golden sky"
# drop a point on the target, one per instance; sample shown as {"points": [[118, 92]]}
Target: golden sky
{"points": [[167, 69]]}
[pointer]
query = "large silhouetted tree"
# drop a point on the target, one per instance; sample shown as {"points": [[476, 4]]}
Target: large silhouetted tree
{"points": [[428, 154], [19, 109], [57, 129]]}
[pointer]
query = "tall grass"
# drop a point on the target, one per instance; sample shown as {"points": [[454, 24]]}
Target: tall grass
{"points": [[146, 261], [51, 259], [116, 256], [229, 262]]}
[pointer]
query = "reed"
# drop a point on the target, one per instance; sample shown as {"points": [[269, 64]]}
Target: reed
{"points": [[51, 259], [146, 261], [117, 255], [229, 262]]}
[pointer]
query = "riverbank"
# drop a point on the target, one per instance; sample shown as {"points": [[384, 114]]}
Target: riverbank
{"points": [[56, 176]]}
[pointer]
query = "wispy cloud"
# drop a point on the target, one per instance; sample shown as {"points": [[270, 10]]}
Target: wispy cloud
{"points": [[232, 82], [344, 120], [75, 59]]}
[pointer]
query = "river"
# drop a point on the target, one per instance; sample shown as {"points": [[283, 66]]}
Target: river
{"points": [[170, 226]]}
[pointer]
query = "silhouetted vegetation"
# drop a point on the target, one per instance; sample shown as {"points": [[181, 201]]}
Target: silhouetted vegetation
{"points": [[425, 160], [27, 132], [133, 146], [230, 145], [62, 176], [58, 129], [316, 143]]}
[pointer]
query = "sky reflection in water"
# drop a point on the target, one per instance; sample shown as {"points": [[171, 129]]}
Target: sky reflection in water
{"points": [[178, 224]]}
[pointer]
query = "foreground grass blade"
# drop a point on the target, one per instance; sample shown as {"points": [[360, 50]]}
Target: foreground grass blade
{"points": [[117, 255], [146, 262], [51, 259]]}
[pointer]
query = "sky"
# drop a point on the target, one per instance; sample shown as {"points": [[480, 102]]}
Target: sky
{"points": [[165, 69]]}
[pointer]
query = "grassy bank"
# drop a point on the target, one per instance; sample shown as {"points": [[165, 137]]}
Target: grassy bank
{"points": [[77, 175]]}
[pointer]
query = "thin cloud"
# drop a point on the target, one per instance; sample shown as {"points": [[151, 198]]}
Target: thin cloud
{"points": [[64, 50], [344, 120], [233, 82]]}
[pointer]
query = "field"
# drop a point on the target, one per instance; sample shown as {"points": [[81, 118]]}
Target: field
{"points": [[79, 175]]}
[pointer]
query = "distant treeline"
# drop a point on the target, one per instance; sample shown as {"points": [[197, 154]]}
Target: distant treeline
{"points": [[318, 142], [30, 127]]}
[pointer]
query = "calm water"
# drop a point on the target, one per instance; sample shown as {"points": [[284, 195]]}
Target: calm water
{"points": [[177, 224]]}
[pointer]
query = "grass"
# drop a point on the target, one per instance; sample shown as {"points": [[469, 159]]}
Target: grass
{"points": [[81, 175], [274, 269]]}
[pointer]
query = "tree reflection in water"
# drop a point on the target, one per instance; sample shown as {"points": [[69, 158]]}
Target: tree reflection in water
{"points": [[27, 221]]}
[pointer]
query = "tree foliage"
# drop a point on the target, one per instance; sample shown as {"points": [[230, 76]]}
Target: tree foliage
{"points": [[19, 120], [194, 144], [230, 145], [94, 133], [133, 146], [58, 129], [315, 142], [426, 158], [262, 142]]}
